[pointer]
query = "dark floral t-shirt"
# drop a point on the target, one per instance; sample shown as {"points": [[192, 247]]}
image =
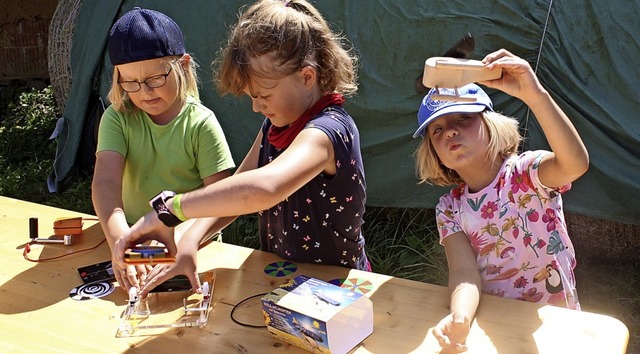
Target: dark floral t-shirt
{"points": [[321, 222]]}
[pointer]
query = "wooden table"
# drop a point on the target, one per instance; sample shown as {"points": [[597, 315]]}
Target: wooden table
{"points": [[37, 314]]}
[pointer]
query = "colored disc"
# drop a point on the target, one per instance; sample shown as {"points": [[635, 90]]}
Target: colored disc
{"points": [[280, 269], [93, 290], [357, 285]]}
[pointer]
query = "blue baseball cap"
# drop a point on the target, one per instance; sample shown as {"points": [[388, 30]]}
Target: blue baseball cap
{"points": [[143, 34], [431, 109]]}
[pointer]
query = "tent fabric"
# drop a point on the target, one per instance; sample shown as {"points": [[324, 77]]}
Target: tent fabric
{"points": [[585, 53], [87, 52]]}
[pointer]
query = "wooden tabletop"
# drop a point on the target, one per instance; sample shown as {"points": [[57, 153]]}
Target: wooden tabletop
{"points": [[37, 314]]}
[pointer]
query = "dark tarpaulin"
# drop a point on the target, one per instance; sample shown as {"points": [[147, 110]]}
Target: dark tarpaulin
{"points": [[585, 53]]}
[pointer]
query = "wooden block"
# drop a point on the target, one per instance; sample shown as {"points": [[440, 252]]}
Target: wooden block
{"points": [[67, 226], [449, 72]]}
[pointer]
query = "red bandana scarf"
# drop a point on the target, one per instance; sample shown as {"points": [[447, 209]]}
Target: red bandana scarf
{"points": [[281, 137]]}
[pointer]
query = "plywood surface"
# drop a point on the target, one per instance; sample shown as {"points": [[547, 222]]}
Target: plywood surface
{"points": [[37, 314]]}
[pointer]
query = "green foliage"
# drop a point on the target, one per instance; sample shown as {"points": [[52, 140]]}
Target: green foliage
{"points": [[243, 232], [27, 118], [26, 126], [405, 243], [75, 195]]}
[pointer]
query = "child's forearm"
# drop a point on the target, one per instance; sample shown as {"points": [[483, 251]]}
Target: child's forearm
{"points": [[564, 140], [108, 207], [465, 288]]}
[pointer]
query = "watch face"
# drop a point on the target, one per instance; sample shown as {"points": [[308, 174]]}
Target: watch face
{"points": [[161, 198], [161, 208], [156, 203]]}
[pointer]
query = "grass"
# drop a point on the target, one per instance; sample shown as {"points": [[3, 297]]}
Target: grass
{"points": [[404, 243], [400, 242]]}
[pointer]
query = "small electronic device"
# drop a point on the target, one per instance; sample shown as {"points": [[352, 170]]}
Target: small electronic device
{"points": [[102, 271], [177, 283], [147, 254]]}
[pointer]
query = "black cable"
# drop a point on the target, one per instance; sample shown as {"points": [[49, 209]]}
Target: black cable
{"points": [[239, 304]]}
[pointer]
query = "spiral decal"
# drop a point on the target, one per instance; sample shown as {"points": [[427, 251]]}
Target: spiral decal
{"points": [[93, 290]]}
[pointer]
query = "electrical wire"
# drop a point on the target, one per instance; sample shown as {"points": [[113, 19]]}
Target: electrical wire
{"points": [[240, 304], [27, 249]]}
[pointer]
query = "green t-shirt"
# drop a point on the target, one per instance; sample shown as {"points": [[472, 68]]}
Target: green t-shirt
{"points": [[175, 157]]}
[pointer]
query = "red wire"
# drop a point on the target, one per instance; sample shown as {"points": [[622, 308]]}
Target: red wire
{"points": [[27, 249]]}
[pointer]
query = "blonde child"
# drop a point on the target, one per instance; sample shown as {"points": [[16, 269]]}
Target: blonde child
{"points": [[503, 226], [156, 133], [304, 174]]}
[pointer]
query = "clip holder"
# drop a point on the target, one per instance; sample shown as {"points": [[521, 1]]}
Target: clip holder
{"points": [[67, 239], [136, 312], [161, 310], [201, 309]]}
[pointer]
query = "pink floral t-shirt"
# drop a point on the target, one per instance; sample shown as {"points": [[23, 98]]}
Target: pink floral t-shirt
{"points": [[517, 230]]}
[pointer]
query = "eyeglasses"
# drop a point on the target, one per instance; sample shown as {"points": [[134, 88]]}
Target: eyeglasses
{"points": [[151, 82]]}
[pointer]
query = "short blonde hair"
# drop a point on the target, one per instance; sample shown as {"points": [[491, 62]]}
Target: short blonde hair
{"points": [[504, 139], [186, 77], [294, 34]]}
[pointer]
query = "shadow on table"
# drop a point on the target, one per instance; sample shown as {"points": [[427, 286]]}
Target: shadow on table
{"points": [[53, 274]]}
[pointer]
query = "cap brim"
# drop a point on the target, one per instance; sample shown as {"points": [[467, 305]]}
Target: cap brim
{"points": [[460, 108]]}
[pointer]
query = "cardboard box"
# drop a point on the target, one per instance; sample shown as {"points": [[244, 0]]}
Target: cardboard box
{"points": [[318, 316]]}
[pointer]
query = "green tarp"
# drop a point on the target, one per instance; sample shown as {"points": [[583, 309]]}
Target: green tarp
{"points": [[586, 53]]}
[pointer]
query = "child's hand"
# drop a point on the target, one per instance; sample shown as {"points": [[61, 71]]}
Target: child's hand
{"points": [[186, 263], [452, 331], [518, 79], [149, 227], [131, 275]]}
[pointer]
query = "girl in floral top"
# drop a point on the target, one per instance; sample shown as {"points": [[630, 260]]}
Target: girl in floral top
{"points": [[503, 226]]}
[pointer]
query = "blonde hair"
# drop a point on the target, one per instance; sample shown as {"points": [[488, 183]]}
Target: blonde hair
{"points": [[504, 139], [186, 77], [294, 35]]}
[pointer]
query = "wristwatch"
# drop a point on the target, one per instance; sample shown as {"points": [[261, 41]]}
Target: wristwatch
{"points": [[158, 203]]}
